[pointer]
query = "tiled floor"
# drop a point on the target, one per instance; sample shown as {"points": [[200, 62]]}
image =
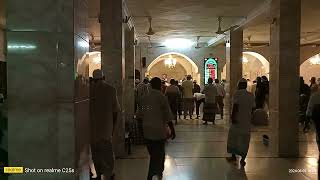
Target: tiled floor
{"points": [[198, 153]]}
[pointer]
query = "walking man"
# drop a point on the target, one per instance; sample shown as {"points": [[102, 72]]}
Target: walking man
{"points": [[157, 119], [239, 132], [104, 109]]}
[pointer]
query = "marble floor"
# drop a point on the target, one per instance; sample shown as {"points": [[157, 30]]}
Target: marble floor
{"points": [[199, 151]]}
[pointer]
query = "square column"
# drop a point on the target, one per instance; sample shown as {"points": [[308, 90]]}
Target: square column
{"points": [[48, 97], [129, 73], [234, 49], [113, 60], [284, 75]]}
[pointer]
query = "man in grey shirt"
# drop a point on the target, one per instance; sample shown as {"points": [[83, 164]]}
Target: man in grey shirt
{"points": [[157, 120]]}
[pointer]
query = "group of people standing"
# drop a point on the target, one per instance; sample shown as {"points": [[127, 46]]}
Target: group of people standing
{"points": [[187, 97]]}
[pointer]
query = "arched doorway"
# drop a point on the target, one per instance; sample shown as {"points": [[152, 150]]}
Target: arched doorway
{"points": [[253, 65], [310, 68], [173, 65], [89, 62]]}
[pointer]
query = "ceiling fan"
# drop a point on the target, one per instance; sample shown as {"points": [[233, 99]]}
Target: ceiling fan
{"points": [[201, 45], [223, 32], [150, 31], [198, 45], [248, 45], [152, 46]]}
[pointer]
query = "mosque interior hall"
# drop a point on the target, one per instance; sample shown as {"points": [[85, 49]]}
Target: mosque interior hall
{"points": [[256, 65]]}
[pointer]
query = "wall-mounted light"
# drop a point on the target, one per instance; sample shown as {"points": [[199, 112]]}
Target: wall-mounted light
{"points": [[21, 46]]}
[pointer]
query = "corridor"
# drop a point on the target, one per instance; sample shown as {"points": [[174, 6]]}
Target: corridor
{"points": [[198, 153]]}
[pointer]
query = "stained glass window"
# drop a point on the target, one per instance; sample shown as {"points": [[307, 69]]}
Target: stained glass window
{"points": [[210, 69]]}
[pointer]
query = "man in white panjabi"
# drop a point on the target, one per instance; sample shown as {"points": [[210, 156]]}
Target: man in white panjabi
{"points": [[239, 132]]}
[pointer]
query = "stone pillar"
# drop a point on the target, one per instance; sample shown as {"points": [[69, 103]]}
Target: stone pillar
{"points": [[48, 98], [284, 75], [130, 74], [113, 59], [234, 49], [2, 30]]}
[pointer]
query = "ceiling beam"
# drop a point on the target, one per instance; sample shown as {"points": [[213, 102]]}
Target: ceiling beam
{"points": [[216, 40], [254, 14]]}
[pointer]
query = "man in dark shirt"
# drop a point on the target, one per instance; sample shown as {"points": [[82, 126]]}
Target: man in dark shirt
{"points": [[104, 110], [196, 87]]}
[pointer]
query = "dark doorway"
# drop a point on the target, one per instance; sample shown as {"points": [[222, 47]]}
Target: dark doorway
{"points": [[137, 74]]}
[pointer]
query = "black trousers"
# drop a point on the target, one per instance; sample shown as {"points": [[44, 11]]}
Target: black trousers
{"points": [[156, 149], [260, 102], [103, 158], [198, 103], [174, 108], [220, 105]]}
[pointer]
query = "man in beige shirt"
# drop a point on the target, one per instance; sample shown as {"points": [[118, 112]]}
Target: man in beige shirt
{"points": [[187, 91]]}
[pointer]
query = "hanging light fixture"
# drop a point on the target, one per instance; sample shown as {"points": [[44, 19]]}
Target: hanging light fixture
{"points": [[170, 62], [315, 60]]}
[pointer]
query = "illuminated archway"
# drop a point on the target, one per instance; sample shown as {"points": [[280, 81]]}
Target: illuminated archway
{"points": [[310, 68], [265, 67], [262, 59], [89, 62], [187, 64], [158, 59]]}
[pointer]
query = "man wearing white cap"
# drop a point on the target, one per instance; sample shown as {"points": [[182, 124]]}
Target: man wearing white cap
{"points": [[104, 109], [239, 132]]}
